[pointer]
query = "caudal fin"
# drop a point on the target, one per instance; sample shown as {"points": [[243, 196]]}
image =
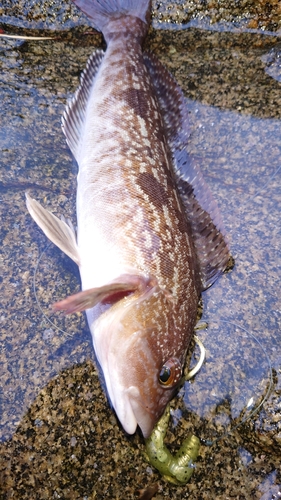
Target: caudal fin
{"points": [[101, 11]]}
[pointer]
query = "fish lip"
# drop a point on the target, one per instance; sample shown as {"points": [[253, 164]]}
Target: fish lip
{"points": [[122, 405], [144, 419], [126, 415], [131, 412]]}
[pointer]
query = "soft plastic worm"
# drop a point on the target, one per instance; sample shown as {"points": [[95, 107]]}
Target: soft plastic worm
{"points": [[179, 468], [175, 469]]}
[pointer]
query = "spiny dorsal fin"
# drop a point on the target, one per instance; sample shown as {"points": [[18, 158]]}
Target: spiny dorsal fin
{"points": [[201, 208], [74, 114], [188, 171], [210, 244], [55, 229], [172, 103]]}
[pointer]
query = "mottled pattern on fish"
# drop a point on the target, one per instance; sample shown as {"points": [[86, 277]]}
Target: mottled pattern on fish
{"points": [[124, 155], [143, 223], [134, 206]]}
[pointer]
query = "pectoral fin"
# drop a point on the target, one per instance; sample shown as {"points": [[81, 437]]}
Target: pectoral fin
{"points": [[107, 294], [55, 229]]}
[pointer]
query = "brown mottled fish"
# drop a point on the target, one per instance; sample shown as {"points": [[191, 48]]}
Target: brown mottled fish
{"points": [[149, 236]]}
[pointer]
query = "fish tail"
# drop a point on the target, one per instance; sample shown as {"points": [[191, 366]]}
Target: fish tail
{"points": [[103, 11]]}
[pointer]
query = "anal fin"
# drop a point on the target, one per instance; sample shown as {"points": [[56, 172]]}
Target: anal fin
{"points": [[75, 112]]}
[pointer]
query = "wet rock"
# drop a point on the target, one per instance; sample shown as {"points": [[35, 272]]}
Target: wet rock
{"points": [[59, 437], [272, 60], [57, 15], [263, 432]]}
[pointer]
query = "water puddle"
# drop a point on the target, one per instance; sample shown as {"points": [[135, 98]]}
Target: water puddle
{"points": [[58, 436]]}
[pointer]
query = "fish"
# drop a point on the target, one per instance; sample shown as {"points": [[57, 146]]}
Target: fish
{"points": [[150, 237]]}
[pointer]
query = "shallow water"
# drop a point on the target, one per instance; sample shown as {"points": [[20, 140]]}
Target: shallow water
{"points": [[59, 438]]}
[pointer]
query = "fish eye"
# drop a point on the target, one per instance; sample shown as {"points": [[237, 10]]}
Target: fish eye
{"points": [[165, 374], [170, 373]]}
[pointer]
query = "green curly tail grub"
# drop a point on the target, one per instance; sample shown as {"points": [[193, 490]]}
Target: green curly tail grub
{"points": [[179, 468], [175, 469]]}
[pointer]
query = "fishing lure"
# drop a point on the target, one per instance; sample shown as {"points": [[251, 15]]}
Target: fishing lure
{"points": [[179, 468]]}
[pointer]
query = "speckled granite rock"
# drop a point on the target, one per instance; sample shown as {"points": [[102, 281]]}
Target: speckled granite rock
{"points": [[265, 429], [59, 438], [252, 14]]}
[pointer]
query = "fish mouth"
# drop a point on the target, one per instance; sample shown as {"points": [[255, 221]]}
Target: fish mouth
{"points": [[123, 388], [144, 419], [120, 400], [130, 412], [125, 413]]}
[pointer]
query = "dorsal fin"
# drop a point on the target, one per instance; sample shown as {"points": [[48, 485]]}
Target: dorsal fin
{"points": [[172, 103], [74, 114], [201, 208], [209, 241]]}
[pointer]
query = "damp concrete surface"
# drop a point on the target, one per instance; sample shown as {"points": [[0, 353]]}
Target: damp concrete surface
{"points": [[59, 437]]}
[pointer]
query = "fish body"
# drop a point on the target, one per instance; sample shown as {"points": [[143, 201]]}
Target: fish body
{"points": [[149, 235]]}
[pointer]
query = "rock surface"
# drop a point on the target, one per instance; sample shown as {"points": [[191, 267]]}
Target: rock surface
{"points": [[59, 437]]}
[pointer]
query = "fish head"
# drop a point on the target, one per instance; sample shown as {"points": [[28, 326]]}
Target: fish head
{"points": [[141, 351]]}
